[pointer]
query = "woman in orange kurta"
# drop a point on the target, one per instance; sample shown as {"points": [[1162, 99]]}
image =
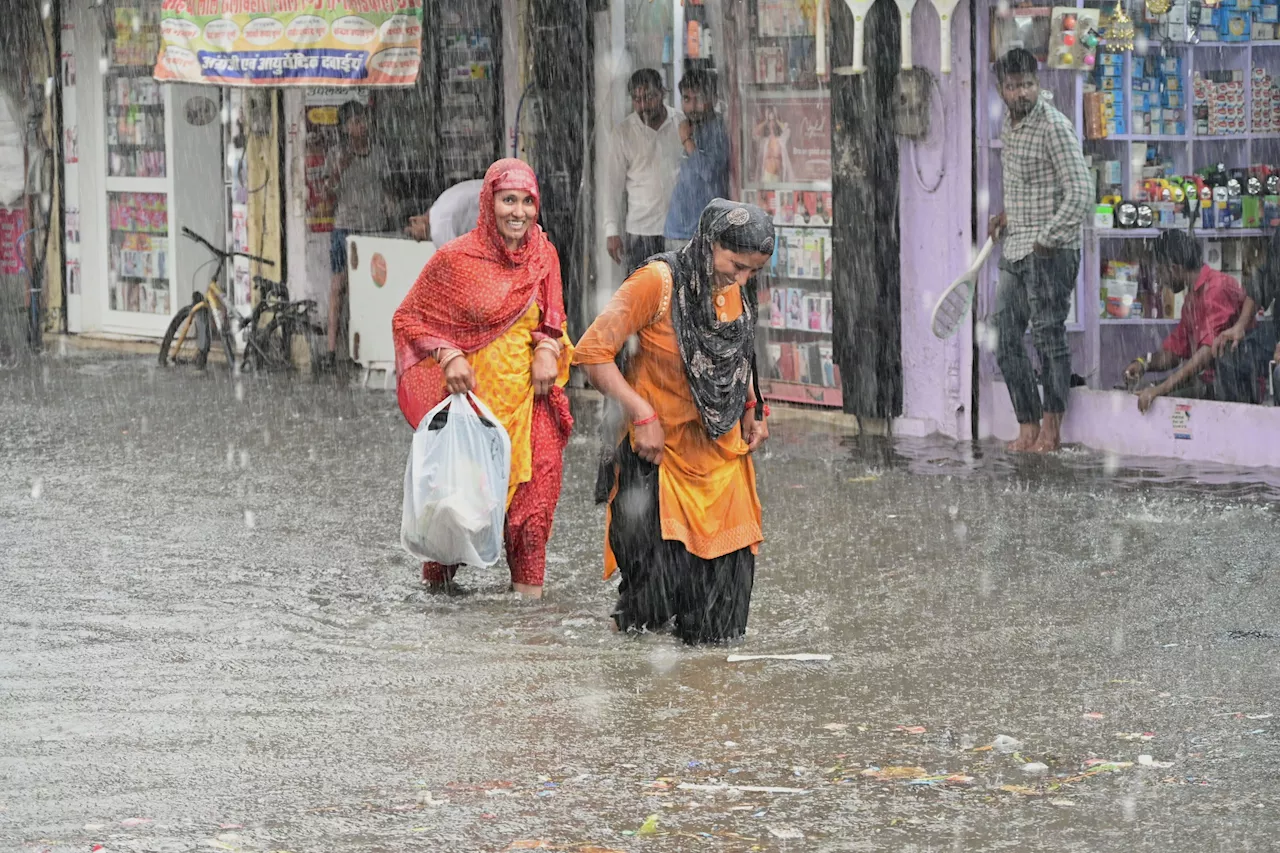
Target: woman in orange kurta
{"points": [[487, 314], [683, 524]]}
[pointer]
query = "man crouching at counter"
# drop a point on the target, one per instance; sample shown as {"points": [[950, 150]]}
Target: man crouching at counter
{"points": [[1212, 305]]}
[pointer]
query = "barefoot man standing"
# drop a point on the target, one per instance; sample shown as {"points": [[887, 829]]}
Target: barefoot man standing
{"points": [[1047, 194]]}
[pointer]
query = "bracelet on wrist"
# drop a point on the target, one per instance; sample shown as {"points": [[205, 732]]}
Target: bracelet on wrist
{"points": [[645, 421]]}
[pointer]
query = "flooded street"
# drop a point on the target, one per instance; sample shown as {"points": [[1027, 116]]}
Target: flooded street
{"points": [[211, 639]]}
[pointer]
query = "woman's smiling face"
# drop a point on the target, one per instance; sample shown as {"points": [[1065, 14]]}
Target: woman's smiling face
{"points": [[516, 212]]}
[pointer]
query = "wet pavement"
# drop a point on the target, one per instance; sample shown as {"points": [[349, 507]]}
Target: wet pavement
{"points": [[211, 640]]}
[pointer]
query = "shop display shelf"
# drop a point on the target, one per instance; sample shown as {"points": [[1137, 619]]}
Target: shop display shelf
{"points": [[776, 330], [796, 392], [1137, 321], [1151, 233]]}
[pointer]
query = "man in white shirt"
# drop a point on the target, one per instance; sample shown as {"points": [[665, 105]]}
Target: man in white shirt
{"points": [[454, 213], [644, 160]]}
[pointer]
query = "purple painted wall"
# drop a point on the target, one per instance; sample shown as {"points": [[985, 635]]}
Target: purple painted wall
{"points": [[937, 239], [1224, 433]]}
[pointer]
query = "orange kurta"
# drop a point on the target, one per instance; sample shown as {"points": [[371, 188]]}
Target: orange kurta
{"points": [[706, 488]]}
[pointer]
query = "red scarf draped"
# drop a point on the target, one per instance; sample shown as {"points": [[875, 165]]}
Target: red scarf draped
{"points": [[474, 288]]}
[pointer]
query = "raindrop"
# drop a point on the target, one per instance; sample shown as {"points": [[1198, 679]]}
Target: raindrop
{"points": [[1002, 8], [953, 510], [1117, 639], [1141, 44], [983, 197], [37, 489], [987, 336], [146, 424], [311, 454], [962, 531], [46, 10], [231, 456], [997, 109], [48, 87], [663, 660], [1111, 464], [266, 438], [137, 23], [239, 392], [244, 459], [1130, 806], [62, 347], [985, 585], [103, 64], [44, 374], [250, 520]]}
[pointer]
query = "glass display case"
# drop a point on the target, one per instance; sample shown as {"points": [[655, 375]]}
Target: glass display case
{"points": [[780, 114]]}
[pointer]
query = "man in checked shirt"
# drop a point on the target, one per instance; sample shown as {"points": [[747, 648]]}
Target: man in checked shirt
{"points": [[1048, 191]]}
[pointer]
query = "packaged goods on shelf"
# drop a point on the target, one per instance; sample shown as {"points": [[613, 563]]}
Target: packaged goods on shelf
{"points": [[1218, 103], [1265, 93], [1119, 290]]}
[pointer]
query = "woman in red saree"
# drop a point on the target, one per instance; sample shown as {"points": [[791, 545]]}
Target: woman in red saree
{"points": [[487, 315]]}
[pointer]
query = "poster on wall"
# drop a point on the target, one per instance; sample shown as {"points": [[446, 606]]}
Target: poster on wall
{"points": [[12, 225], [783, 18], [791, 141], [322, 137], [287, 43]]}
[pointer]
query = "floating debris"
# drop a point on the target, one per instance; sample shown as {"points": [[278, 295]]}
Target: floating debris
{"points": [[803, 656], [889, 774], [746, 789]]}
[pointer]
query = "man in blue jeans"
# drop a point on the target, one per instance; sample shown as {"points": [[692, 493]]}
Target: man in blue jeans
{"points": [[1048, 191]]}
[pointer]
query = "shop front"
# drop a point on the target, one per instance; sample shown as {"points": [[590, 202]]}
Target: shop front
{"points": [[1180, 130], [789, 86], [443, 130], [142, 161]]}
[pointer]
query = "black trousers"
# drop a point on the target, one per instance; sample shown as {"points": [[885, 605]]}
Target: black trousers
{"points": [[663, 585]]}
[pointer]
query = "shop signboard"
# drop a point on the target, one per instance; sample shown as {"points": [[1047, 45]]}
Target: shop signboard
{"points": [[290, 42]]}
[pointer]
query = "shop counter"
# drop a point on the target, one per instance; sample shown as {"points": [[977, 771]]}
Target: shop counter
{"points": [[1235, 434], [381, 270]]}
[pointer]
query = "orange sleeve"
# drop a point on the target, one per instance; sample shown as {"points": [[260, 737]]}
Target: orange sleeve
{"points": [[633, 307]]}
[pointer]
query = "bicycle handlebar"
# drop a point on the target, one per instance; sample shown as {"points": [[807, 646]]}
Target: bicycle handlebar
{"points": [[191, 235]]}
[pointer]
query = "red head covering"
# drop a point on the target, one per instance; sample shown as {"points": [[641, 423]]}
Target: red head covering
{"points": [[475, 288]]}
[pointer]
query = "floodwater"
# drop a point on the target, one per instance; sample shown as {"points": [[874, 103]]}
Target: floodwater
{"points": [[210, 639]]}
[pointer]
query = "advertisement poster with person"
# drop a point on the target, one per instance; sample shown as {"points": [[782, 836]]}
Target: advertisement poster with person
{"points": [[791, 141], [286, 43]]}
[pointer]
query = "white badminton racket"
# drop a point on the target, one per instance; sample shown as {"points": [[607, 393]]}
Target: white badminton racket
{"points": [[954, 304]]}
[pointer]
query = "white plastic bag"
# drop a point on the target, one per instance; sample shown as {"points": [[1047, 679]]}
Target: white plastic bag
{"points": [[455, 486]]}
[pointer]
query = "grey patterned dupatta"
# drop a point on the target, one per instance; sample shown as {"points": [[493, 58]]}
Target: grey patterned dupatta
{"points": [[718, 357]]}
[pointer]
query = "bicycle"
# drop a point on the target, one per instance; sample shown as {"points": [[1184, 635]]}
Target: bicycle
{"points": [[273, 325]]}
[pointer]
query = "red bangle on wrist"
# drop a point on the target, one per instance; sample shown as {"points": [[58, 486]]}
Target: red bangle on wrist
{"points": [[751, 404], [647, 420]]}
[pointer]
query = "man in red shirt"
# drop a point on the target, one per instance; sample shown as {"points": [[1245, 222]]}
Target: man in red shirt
{"points": [[1212, 305]]}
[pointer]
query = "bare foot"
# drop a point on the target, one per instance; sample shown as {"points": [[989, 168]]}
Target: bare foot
{"points": [[1050, 438], [527, 590], [1026, 440]]}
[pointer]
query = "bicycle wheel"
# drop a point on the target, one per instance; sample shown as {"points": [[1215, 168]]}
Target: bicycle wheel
{"points": [[281, 334], [192, 338]]}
